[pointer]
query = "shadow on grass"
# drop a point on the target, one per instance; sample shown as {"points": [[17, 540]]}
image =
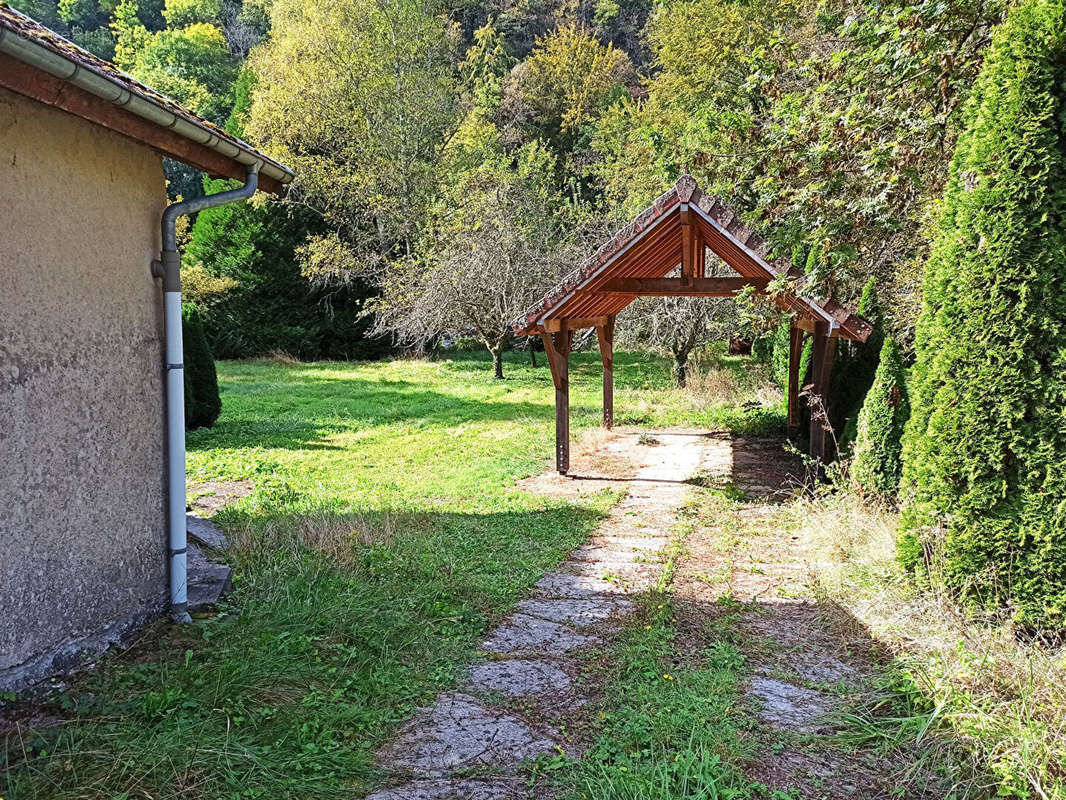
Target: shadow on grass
{"points": [[300, 406], [339, 625]]}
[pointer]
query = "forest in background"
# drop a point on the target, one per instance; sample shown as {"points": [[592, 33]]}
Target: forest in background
{"points": [[441, 146]]}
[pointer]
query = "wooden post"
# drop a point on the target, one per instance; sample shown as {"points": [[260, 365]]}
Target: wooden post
{"points": [[795, 356], [557, 350], [688, 246], [605, 333], [822, 370]]}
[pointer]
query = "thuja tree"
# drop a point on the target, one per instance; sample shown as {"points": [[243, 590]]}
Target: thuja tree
{"points": [[780, 355], [203, 403], [984, 479], [878, 462]]}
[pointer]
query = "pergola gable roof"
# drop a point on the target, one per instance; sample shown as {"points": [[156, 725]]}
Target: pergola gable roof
{"points": [[670, 233]]}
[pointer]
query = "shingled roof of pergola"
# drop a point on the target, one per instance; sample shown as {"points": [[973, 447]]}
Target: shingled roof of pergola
{"points": [[664, 236]]}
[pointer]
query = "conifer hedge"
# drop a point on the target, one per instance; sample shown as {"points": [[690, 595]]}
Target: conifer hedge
{"points": [[984, 479], [202, 401], [878, 444]]}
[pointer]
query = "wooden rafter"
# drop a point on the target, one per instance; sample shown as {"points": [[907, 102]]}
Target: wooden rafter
{"points": [[678, 287]]}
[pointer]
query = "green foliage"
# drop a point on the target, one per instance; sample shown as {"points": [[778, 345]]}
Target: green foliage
{"points": [[203, 404], [193, 65], [357, 97], [825, 124], [984, 478], [250, 251], [878, 446], [855, 365], [183, 13], [271, 306], [568, 81], [77, 12], [130, 33]]}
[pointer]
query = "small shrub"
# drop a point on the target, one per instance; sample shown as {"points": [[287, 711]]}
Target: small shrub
{"points": [[780, 356], [878, 463], [202, 401]]}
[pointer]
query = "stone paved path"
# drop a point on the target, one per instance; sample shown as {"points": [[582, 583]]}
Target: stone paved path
{"points": [[807, 658], [465, 747]]}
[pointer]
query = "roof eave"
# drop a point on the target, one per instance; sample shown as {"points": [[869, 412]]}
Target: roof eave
{"points": [[126, 99]]}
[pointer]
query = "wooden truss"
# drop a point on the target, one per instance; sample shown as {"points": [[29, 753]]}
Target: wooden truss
{"points": [[677, 231]]}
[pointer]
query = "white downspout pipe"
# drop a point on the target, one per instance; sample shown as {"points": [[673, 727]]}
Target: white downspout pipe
{"points": [[169, 269]]}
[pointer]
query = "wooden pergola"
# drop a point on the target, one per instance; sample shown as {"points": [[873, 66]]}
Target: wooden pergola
{"points": [[675, 231]]}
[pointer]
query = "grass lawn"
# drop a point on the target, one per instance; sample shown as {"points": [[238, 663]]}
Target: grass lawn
{"points": [[382, 534]]}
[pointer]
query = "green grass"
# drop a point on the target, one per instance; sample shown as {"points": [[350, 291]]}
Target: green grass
{"points": [[382, 536]]}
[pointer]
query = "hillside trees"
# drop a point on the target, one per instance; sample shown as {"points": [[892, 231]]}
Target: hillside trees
{"points": [[499, 236], [561, 90], [357, 97], [832, 121], [250, 250], [984, 481]]}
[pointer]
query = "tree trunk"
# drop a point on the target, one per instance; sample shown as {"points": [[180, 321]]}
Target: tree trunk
{"points": [[497, 361], [680, 369], [532, 352]]}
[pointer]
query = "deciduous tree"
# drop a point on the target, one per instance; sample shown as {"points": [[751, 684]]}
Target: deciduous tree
{"points": [[358, 97]]}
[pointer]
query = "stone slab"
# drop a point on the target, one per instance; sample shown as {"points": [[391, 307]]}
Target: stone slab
{"points": [[787, 706], [521, 633], [458, 732], [576, 612], [206, 581], [487, 789], [610, 555], [563, 584], [206, 532], [518, 677]]}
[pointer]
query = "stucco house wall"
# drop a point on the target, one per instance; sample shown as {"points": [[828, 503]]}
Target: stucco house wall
{"points": [[82, 448]]}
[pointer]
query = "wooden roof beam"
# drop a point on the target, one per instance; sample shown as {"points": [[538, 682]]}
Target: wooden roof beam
{"points": [[573, 323], [678, 287]]}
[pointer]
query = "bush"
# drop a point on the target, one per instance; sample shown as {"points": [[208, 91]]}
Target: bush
{"points": [[202, 401], [878, 463], [984, 479], [271, 306]]}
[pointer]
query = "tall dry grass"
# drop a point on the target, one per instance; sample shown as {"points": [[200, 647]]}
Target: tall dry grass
{"points": [[970, 679]]}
